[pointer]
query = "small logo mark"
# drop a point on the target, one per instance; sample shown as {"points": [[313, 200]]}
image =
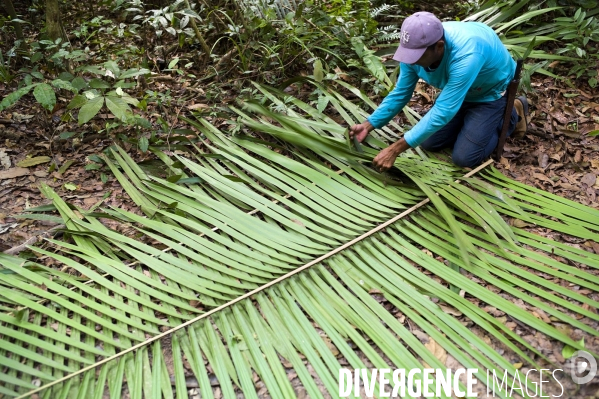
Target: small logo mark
{"points": [[405, 36], [582, 361]]}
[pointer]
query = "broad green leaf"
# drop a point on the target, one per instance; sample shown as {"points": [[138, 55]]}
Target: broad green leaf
{"points": [[48, 218], [90, 109], [44, 94], [78, 101], [118, 107], [92, 166], [143, 144], [65, 166], [131, 73], [66, 76], [13, 97], [323, 101], [318, 71], [64, 85], [33, 161], [98, 83], [79, 83], [112, 67], [568, 351]]}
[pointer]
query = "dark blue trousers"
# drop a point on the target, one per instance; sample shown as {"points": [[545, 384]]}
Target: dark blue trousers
{"points": [[473, 132]]}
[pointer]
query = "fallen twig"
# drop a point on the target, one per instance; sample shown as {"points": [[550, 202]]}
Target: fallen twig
{"points": [[33, 240]]}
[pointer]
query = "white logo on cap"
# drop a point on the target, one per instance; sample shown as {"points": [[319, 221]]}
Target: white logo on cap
{"points": [[405, 36]]}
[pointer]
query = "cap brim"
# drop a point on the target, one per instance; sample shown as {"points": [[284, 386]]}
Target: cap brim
{"points": [[408, 55]]}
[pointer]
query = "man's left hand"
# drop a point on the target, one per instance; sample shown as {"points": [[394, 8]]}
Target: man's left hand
{"points": [[386, 158]]}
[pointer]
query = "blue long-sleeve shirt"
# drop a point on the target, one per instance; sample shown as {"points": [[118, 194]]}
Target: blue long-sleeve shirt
{"points": [[476, 67]]}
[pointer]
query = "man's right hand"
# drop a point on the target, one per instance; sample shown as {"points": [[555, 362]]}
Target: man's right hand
{"points": [[360, 131]]}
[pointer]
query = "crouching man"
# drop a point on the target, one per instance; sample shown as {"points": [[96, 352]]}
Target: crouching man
{"points": [[473, 68]]}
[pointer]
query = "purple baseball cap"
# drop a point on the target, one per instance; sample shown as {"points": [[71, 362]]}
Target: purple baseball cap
{"points": [[418, 31]]}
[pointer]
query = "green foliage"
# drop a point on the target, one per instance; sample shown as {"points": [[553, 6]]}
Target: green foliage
{"points": [[106, 89], [5, 75], [578, 31], [44, 94], [13, 97], [90, 96], [173, 19], [373, 63], [56, 54], [43, 89], [88, 29]]}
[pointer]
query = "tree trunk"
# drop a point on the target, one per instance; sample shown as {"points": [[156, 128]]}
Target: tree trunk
{"points": [[197, 32], [53, 24], [10, 9]]}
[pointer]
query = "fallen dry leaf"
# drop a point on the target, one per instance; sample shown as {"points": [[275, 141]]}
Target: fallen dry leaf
{"points": [[539, 314], [450, 310], [298, 222], [198, 106], [33, 161], [589, 179], [452, 363], [519, 223], [541, 176], [564, 329], [196, 304], [14, 172], [436, 350], [4, 159], [342, 74], [331, 346], [543, 160]]}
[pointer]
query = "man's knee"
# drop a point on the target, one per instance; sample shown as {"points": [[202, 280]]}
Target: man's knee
{"points": [[465, 160], [429, 145]]}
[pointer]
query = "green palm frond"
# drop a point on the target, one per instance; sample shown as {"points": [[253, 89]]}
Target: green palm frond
{"points": [[250, 260]]}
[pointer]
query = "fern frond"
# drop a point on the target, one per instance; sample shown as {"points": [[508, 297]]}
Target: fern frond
{"points": [[379, 10], [386, 34]]}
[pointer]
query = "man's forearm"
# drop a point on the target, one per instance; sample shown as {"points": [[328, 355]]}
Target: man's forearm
{"points": [[399, 146], [385, 159], [368, 125], [396, 148]]}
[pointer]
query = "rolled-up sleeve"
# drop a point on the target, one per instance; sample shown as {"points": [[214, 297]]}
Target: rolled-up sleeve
{"points": [[463, 72], [397, 99]]}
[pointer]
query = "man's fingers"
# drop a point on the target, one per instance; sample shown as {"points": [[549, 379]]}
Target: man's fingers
{"points": [[381, 165]]}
